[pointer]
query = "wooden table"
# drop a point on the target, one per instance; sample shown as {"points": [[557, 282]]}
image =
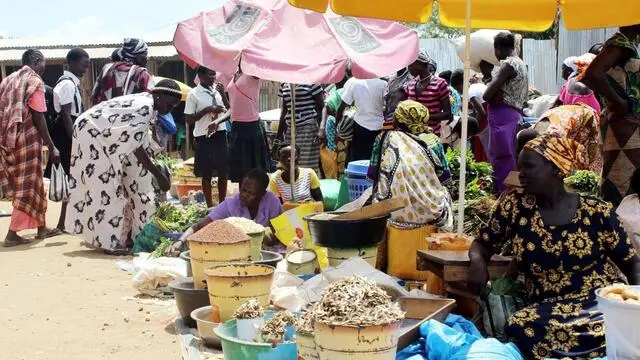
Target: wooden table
{"points": [[453, 266]]}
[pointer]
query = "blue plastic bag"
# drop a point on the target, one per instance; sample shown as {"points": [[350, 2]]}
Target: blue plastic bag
{"points": [[168, 124]]}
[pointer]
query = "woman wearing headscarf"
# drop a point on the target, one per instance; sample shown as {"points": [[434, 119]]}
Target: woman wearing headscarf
{"points": [[24, 132], [563, 244], [405, 165], [430, 90], [124, 77], [112, 172], [615, 75], [579, 123], [506, 95], [574, 91]]}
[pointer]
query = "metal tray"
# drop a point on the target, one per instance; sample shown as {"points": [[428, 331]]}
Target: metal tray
{"points": [[419, 310]]}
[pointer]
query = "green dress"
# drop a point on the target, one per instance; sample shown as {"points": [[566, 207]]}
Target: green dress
{"points": [[563, 266]]}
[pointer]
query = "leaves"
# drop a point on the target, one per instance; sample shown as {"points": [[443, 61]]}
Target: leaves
{"points": [[584, 182]]}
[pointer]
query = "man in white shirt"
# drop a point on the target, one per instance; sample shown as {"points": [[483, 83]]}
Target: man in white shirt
{"points": [[203, 108], [368, 97], [68, 105]]}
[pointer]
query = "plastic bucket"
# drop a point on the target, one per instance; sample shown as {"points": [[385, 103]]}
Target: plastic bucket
{"points": [[207, 254], [256, 245], [364, 343], [339, 255], [248, 328], [306, 347], [402, 245], [232, 285], [622, 330], [236, 349], [302, 262]]}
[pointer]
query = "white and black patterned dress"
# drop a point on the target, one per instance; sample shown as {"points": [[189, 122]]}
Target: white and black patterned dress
{"points": [[107, 182]]}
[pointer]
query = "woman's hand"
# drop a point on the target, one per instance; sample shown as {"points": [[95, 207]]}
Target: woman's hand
{"points": [[478, 277], [54, 155], [176, 248]]}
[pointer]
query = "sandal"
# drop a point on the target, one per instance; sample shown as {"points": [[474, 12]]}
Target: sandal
{"points": [[19, 241], [51, 233]]}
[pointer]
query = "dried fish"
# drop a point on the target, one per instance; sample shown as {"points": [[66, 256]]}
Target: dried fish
{"points": [[304, 325], [356, 301], [275, 328], [251, 309]]}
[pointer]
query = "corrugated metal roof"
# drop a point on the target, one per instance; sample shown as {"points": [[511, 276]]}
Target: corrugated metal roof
{"points": [[155, 52]]}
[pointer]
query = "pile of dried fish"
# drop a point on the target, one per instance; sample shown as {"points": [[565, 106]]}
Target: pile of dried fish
{"points": [[356, 301], [304, 325], [249, 310], [275, 328]]}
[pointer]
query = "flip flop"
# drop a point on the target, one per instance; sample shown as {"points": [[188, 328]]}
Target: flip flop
{"points": [[20, 241], [51, 233]]}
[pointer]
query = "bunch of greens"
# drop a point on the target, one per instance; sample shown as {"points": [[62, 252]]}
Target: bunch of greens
{"points": [[168, 162], [584, 182], [477, 213], [171, 218], [478, 176], [161, 248]]}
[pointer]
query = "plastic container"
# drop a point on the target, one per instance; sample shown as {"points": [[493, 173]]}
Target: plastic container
{"points": [[361, 343], [248, 329], [302, 262], [206, 327], [270, 258], [188, 298], [236, 349], [357, 180], [183, 189], [347, 233], [232, 285], [339, 255], [207, 254], [622, 328], [403, 244], [256, 245], [306, 347]]}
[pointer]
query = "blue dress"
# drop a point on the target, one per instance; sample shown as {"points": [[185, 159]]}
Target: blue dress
{"points": [[563, 267]]}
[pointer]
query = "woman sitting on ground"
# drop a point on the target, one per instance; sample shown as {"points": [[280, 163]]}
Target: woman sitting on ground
{"points": [[253, 202], [562, 242], [405, 165], [306, 186]]}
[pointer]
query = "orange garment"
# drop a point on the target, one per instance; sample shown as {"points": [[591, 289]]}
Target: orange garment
{"points": [[22, 221]]}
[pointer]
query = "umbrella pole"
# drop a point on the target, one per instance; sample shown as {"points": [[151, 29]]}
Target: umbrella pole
{"points": [[465, 117], [292, 177]]}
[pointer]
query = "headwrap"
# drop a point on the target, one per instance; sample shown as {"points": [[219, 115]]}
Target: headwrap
{"points": [[167, 87], [424, 58], [131, 48], [564, 153], [414, 116], [582, 63], [570, 62]]}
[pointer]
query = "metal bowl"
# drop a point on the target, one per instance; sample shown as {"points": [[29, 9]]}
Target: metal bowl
{"points": [[206, 327]]}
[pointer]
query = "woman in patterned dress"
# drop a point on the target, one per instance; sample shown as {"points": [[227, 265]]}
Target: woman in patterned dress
{"points": [[405, 163], [112, 195], [562, 242], [615, 75]]}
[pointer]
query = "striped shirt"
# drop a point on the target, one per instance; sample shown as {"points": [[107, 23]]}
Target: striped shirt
{"points": [[305, 102], [307, 180], [431, 96]]}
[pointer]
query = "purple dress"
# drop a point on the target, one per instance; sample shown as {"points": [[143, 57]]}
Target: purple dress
{"points": [[269, 208]]}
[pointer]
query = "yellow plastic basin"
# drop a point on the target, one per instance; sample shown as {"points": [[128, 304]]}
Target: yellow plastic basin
{"points": [[207, 254], [352, 343], [232, 285]]}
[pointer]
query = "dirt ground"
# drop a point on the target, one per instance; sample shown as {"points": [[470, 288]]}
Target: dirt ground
{"points": [[59, 300]]}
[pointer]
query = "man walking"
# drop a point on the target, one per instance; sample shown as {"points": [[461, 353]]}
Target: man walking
{"points": [[204, 105], [67, 103]]}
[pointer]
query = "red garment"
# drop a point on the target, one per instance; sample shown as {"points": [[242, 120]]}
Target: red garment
{"points": [[431, 97], [21, 145], [113, 82]]}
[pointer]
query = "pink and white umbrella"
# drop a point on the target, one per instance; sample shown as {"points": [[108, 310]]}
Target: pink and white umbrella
{"points": [[273, 40]]}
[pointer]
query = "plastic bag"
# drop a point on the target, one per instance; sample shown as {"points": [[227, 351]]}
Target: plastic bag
{"points": [[505, 298], [153, 275], [59, 185], [148, 239], [481, 47], [329, 161], [291, 225]]}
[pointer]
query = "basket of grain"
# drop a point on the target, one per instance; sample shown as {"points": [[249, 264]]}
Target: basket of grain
{"points": [[255, 231], [234, 284], [356, 319], [215, 244]]}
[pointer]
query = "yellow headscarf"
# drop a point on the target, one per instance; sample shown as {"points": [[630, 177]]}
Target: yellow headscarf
{"points": [[414, 116], [564, 153]]}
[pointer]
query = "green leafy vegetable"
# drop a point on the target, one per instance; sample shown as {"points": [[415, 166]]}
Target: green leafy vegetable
{"points": [[171, 218], [584, 182], [164, 244]]}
